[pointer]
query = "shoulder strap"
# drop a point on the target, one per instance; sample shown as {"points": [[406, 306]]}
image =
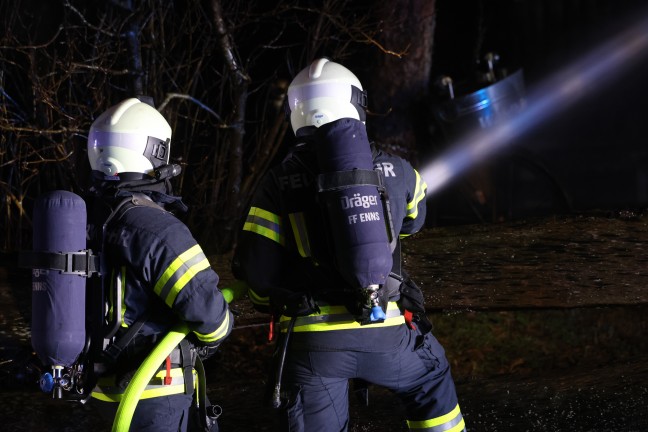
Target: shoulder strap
{"points": [[127, 203], [114, 350], [137, 199]]}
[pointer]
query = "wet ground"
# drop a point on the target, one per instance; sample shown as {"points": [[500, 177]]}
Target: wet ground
{"points": [[544, 323]]}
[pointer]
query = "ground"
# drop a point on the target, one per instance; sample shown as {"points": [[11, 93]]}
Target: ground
{"points": [[543, 322]]}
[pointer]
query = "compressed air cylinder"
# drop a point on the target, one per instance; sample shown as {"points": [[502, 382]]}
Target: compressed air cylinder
{"points": [[354, 210], [58, 299]]}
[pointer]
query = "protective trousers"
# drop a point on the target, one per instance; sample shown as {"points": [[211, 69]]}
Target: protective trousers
{"points": [[418, 373], [159, 414]]}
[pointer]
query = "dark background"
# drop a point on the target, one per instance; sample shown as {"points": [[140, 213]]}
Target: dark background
{"points": [[592, 156], [65, 62], [567, 352]]}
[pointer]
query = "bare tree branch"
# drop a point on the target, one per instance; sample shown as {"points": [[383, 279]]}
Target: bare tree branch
{"points": [[171, 96]]}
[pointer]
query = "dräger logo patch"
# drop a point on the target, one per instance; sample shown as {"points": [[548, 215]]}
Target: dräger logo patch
{"points": [[358, 200]]}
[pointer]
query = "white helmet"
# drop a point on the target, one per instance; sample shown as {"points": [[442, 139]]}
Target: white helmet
{"points": [[324, 92], [128, 141]]}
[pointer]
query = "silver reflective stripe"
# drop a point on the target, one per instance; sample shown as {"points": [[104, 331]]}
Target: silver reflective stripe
{"points": [[449, 425], [450, 422]]}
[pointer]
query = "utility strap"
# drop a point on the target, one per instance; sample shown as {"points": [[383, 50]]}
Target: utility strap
{"points": [[82, 263], [187, 365], [201, 397], [344, 179], [115, 349]]}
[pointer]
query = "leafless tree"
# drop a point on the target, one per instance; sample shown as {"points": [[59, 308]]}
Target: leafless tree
{"points": [[217, 70]]}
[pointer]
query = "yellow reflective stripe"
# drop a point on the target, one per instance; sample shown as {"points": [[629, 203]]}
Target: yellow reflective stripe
{"points": [[264, 223], [419, 195], [146, 394], [176, 265], [347, 324], [216, 334], [257, 299], [445, 421], [189, 274], [123, 296], [110, 379], [111, 295], [339, 310], [324, 310], [153, 389], [298, 224]]}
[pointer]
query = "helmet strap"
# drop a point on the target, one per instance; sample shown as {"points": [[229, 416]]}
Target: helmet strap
{"points": [[359, 101], [157, 151]]}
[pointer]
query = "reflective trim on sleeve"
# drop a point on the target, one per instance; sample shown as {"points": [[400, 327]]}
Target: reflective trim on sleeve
{"points": [[179, 273], [264, 223], [339, 318], [217, 334], [298, 224], [451, 422], [419, 195], [107, 391]]}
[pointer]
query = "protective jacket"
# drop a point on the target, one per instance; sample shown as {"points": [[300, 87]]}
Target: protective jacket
{"points": [[285, 256], [285, 250], [164, 277]]}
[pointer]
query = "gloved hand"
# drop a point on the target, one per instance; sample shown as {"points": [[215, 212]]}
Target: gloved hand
{"points": [[411, 295], [299, 304], [206, 351]]}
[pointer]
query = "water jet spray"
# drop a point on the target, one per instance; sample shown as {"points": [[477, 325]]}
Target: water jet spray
{"points": [[551, 97]]}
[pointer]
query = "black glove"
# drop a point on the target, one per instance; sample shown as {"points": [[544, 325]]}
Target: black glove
{"points": [[206, 351], [411, 295], [412, 299], [299, 304]]}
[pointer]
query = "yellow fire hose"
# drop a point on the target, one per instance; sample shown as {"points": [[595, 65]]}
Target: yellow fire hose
{"points": [[144, 374], [150, 365]]}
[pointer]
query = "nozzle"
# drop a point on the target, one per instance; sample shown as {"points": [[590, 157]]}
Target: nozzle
{"points": [[276, 396]]}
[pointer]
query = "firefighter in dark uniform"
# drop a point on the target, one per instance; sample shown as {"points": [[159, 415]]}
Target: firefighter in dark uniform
{"points": [[151, 258], [284, 256]]}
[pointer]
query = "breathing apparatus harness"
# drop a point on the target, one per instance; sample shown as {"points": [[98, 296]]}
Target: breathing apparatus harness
{"points": [[356, 213], [356, 208], [60, 269]]}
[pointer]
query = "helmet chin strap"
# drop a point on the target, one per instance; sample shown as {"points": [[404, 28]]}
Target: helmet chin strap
{"points": [[359, 101], [162, 174], [139, 181]]}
